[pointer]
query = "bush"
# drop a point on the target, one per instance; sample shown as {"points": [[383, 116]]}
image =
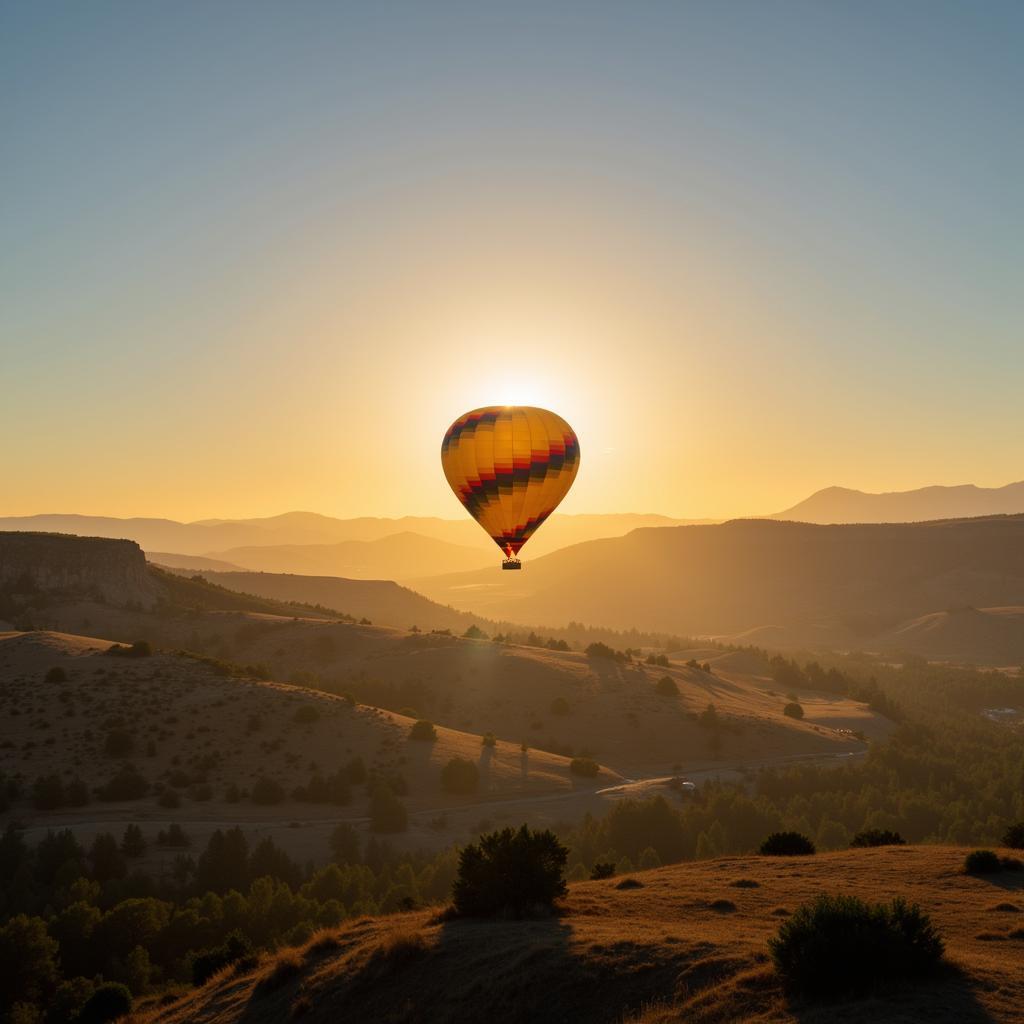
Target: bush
{"points": [[387, 812], [168, 798], [877, 837], [793, 710], [837, 945], [982, 862], [602, 869], [460, 776], [787, 844], [560, 706], [47, 792], [119, 743], [127, 784], [108, 1002], [56, 675], [587, 767], [488, 740], [510, 871], [267, 791], [423, 730], [666, 686], [1013, 837], [206, 964]]}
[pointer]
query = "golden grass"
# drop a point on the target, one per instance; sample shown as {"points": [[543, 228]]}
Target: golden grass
{"points": [[654, 954]]}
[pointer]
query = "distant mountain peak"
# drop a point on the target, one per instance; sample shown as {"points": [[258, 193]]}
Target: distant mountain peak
{"points": [[837, 504]]}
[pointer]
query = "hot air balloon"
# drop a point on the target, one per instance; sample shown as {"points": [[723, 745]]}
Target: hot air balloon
{"points": [[510, 465]]}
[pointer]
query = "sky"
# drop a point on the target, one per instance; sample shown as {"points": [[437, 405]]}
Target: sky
{"points": [[257, 256]]}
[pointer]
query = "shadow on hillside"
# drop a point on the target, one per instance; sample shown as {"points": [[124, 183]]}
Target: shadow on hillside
{"points": [[949, 999], [1009, 880], [534, 970]]}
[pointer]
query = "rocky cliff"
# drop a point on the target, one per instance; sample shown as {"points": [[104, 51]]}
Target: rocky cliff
{"points": [[64, 565]]}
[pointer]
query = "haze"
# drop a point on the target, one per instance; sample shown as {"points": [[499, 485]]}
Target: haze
{"points": [[258, 257]]}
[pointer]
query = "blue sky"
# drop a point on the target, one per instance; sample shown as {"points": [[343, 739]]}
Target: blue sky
{"points": [[749, 249]]}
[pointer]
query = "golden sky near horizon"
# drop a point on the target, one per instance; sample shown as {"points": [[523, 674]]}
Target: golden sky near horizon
{"points": [[240, 292]]}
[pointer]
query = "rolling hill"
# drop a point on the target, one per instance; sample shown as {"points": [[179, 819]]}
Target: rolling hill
{"points": [[189, 726], [399, 556], [842, 505], [839, 585], [294, 529], [682, 943]]}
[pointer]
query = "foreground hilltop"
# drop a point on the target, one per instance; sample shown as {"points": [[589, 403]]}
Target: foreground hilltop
{"points": [[681, 943]]}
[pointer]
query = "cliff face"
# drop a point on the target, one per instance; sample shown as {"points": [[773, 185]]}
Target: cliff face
{"points": [[61, 564]]}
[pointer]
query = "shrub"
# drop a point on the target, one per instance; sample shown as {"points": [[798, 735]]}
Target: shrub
{"points": [[877, 837], [423, 730], [133, 844], [838, 945], [56, 675], [108, 1002], [460, 776], [1013, 837], [560, 706], [127, 784], [488, 740], [387, 812], [267, 791], [47, 792], [586, 767], [787, 844], [602, 869], [475, 633], [982, 862], [510, 871], [119, 743], [793, 710], [207, 963], [666, 686]]}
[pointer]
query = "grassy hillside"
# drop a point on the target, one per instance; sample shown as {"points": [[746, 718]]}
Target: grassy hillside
{"points": [[686, 943], [201, 729]]}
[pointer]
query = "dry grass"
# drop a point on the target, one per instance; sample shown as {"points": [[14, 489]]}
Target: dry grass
{"points": [[655, 954]]}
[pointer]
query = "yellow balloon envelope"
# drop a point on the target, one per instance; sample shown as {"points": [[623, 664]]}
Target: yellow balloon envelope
{"points": [[510, 465]]}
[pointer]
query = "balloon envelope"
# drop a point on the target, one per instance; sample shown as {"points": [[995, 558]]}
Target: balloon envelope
{"points": [[510, 465]]}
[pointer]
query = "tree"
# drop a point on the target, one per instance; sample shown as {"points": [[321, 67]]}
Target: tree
{"points": [[48, 792], [132, 842], [387, 812], [461, 776], [267, 791], [1013, 837], [423, 730], [224, 862], [793, 710], [107, 860], [344, 844], [29, 956], [511, 871], [666, 687], [475, 633], [601, 870], [109, 1001], [586, 767], [787, 844], [877, 837], [488, 740]]}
